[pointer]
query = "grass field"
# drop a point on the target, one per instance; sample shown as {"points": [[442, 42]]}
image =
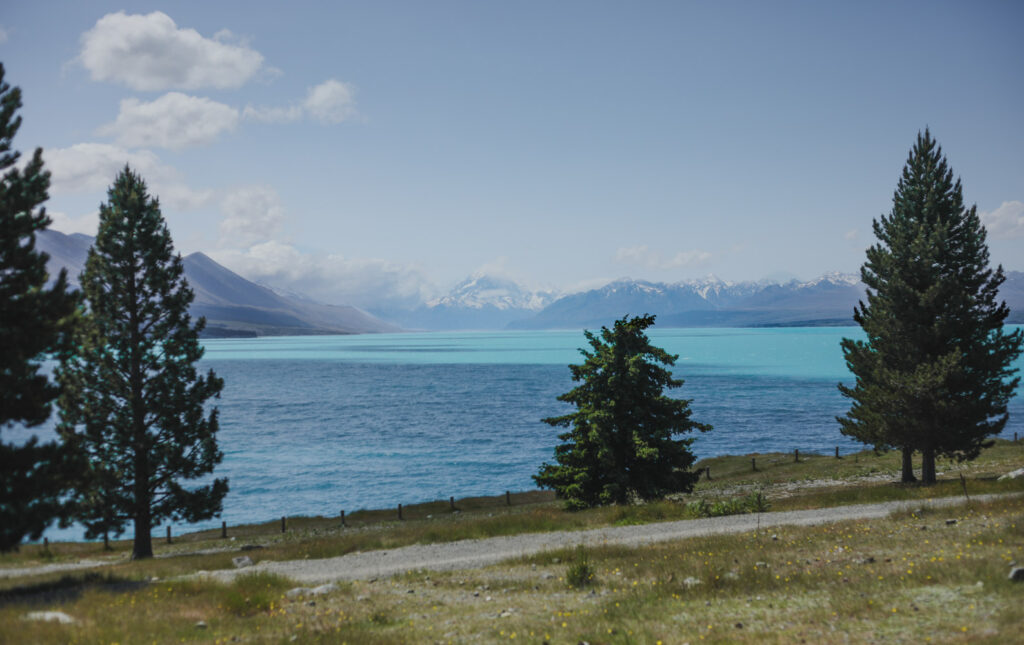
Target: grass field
{"points": [[915, 577]]}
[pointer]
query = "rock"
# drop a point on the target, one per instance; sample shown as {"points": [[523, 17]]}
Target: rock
{"points": [[250, 547], [1013, 475], [762, 565], [506, 613], [739, 625], [548, 576], [950, 522], [51, 616], [242, 561], [1017, 574], [775, 537], [690, 581], [201, 624], [362, 598], [476, 594], [323, 589], [297, 592]]}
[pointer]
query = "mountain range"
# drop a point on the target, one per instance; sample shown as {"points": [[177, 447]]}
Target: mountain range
{"points": [[232, 305]]}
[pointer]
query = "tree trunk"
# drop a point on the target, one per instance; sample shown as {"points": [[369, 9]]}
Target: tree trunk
{"points": [[928, 466], [908, 466]]}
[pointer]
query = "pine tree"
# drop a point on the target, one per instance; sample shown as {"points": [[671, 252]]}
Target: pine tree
{"points": [[621, 443], [34, 320], [133, 403], [934, 374]]}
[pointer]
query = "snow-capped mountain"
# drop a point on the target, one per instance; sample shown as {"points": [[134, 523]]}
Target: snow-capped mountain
{"points": [[481, 291], [479, 302]]}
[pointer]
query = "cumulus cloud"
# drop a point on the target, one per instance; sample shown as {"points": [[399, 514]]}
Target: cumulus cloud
{"points": [[1005, 222], [88, 167], [151, 53], [251, 214], [643, 256], [334, 279], [174, 121], [329, 102]]}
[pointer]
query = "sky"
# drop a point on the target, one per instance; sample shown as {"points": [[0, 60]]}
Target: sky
{"points": [[376, 153]]}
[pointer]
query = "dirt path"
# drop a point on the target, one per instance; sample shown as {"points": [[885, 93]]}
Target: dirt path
{"points": [[468, 554]]}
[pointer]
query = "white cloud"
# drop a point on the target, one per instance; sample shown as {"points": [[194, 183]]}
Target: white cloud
{"points": [[151, 53], [89, 167], [4, 35], [1005, 222], [174, 121], [643, 256], [88, 224], [251, 214], [851, 234], [334, 279], [329, 102]]}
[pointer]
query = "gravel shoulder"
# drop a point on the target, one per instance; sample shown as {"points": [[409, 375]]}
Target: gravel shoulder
{"points": [[470, 554]]}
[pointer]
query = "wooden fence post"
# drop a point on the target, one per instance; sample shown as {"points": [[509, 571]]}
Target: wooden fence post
{"points": [[284, 524], [707, 471], [223, 530], [343, 517], [753, 463], [796, 455], [451, 502], [399, 511], [508, 498], [168, 534], [837, 452]]}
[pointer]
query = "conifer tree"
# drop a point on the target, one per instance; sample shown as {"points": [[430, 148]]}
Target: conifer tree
{"points": [[935, 373], [133, 402], [621, 441], [34, 320]]}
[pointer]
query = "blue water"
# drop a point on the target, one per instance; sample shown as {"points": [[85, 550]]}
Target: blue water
{"points": [[313, 425]]}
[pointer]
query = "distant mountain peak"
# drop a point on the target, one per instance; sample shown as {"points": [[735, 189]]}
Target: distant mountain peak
{"points": [[482, 290]]}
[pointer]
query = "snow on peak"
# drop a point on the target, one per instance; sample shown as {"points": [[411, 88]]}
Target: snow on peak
{"points": [[480, 290]]}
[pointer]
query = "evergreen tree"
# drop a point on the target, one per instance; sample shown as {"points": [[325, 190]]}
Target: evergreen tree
{"points": [[34, 320], [621, 443], [935, 372], [132, 400]]}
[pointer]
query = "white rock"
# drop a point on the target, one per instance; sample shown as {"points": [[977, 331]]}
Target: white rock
{"points": [[242, 561], [51, 616], [297, 592], [1013, 475], [323, 589]]}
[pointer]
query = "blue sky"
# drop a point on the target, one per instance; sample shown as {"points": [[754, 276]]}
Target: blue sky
{"points": [[375, 153]]}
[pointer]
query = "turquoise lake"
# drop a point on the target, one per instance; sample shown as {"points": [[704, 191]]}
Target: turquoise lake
{"points": [[313, 425]]}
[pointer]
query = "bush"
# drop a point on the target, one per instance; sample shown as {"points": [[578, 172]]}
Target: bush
{"points": [[581, 573]]}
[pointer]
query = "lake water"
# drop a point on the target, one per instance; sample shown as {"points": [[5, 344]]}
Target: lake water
{"points": [[313, 425]]}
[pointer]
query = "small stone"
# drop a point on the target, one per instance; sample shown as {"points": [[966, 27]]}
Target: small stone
{"points": [[488, 599], [362, 598], [950, 522], [51, 616], [867, 560], [1017, 574], [762, 565], [1013, 475], [775, 537], [297, 592], [548, 576], [505, 614], [556, 560], [242, 561], [311, 603], [410, 591], [923, 527], [739, 625], [201, 624], [690, 581], [323, 589]]}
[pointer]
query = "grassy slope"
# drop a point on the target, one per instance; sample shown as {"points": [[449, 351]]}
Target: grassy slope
{"points": [[819, 583]]}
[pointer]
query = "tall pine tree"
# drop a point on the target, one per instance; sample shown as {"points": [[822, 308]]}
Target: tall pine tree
{"points": [[34, 320], [133, 402], [934, 374], [621, 441]]}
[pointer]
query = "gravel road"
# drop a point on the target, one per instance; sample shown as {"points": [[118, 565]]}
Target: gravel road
{"points": [[469, 554]]}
